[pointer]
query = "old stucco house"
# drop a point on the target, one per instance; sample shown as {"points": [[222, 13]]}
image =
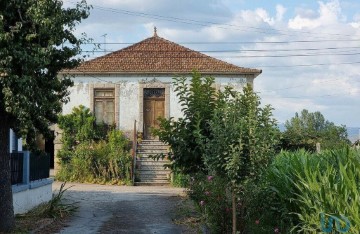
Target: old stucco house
{"points": [[135, 83]]}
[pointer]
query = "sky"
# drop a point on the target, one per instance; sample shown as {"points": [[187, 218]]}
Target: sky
{"points": [[309, 51]]}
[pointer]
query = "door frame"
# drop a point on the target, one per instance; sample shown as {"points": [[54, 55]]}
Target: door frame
{"points": [[147, 135], [149, 85]]}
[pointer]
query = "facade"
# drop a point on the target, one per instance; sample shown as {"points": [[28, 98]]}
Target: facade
{"points": [[135, 83]]}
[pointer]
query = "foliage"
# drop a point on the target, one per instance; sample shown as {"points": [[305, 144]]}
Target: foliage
{"points": [[307, 129], [37, 40], [333, 190], [242, 139], [241, 143], [104, 161], [88, 155], [78, 127], [51, 213], [213, 199], [198, 101], [180, 180], [55, 208], [263, 213], [304, 185]]}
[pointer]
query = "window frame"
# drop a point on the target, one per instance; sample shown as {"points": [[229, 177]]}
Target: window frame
{"points": [[105, 86], [103, 100]]}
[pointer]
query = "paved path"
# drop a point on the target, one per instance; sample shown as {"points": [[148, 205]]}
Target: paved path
{"points": [[122, 209]]}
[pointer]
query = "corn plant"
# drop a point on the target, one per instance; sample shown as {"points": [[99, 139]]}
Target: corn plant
{"points": [[333, 192]]}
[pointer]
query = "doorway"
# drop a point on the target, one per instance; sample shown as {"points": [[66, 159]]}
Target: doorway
{"points": [[154, 107]]}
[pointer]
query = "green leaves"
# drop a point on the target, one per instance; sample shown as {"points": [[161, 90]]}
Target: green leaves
{"points": [[32, 52], [243, 136], [185, 136], [308, 184], [307, 129]]}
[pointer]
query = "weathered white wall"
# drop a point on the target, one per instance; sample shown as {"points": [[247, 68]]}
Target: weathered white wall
{"points": [[79, 95], [129, 109], [27, 199]]}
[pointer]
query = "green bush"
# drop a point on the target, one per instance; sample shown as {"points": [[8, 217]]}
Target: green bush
{"points": [[180, 180], [93, 153], [105, 161], [212, 198]]}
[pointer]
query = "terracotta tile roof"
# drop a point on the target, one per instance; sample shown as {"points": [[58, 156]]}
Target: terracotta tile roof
{"points": [[158, 55]]}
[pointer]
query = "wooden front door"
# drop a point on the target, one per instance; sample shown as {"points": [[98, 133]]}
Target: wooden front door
{"points": [[154, 107]]}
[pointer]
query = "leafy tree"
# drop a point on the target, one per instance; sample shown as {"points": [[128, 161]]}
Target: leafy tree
{"points": [[222, 132], [36, 41], [307, 129], [198, 101], [242, 141]]}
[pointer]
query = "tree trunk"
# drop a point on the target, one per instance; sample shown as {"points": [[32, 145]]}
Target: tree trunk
{"points": [[233, 197], [7, 220]]}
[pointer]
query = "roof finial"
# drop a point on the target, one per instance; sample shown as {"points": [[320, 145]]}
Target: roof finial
{"points": [[155, 31]]}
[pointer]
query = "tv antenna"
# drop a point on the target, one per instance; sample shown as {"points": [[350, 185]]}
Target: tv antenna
{"points": [[104, 42]]}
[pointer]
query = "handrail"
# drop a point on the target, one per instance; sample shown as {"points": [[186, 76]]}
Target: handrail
{"points": [[134, 149]]}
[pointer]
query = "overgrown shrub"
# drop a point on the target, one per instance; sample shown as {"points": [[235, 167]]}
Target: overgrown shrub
{"points": [[180, 180], [90, 155], [212, 197]]}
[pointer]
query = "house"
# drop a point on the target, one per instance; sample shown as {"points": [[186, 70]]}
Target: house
{"points": [[135, 83]]}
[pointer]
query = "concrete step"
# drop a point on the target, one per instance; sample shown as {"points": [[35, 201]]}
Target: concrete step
{"points": [[150, 172], [145, 172], [153, 145], [159, 167], [144, 178], [153, 157], [153, 183], [152, 152], [151, 162], [152, 142], [149, 158]]}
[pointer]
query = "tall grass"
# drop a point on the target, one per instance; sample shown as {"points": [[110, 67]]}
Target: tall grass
{"points": [[105, 161], [307, 185]]}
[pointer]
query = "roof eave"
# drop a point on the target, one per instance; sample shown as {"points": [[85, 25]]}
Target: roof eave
{"points": [[255, 73]]}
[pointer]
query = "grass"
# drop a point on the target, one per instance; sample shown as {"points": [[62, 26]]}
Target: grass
{"points": [[187, 215], [48, 217]]}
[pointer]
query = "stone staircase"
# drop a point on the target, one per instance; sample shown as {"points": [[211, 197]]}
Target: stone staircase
{"points": [[149, 171]]}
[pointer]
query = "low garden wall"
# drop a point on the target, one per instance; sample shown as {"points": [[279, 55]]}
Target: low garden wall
{"points": [[31, 185]]}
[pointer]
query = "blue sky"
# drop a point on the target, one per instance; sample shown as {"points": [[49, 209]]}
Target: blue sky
{"points": [[320, 74]]}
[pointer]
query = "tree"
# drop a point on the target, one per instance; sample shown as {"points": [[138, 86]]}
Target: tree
{"points": [[36, 41], [307, 129], [242, 141], [224, 133], [198, 101]]}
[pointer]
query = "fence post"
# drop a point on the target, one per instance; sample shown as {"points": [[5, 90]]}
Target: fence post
{"points": [[26, 167]]}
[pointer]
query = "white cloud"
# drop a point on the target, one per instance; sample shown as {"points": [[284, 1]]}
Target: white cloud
{"points": [[280, 11], [328, 14]]}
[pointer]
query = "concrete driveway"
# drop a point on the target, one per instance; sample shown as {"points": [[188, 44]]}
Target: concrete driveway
{"points": [[122, 209]]}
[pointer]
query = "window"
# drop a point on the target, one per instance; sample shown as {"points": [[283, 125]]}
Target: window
{"points": [[104, 106]]}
